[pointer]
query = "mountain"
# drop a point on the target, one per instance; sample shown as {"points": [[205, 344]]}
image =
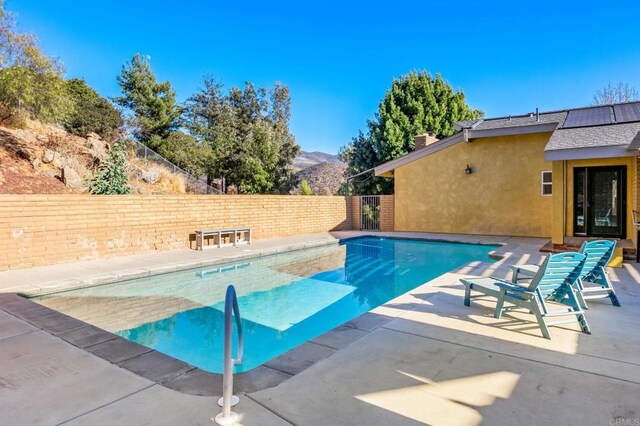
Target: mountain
{"points": [[324, 178], [307, 159]]}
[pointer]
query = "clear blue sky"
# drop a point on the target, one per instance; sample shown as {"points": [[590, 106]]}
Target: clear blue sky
{"points": [[339, 57]]}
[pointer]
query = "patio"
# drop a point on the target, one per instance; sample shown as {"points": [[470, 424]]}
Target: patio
{"points": [[422, 358]]}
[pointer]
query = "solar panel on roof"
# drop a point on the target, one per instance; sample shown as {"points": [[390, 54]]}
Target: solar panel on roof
{"points": [[588, 117], [627, 112]]}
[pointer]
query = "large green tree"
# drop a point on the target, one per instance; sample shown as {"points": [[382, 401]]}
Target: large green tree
{"points": [[31, 83], [156, 113], [90, 112], [416, 103], [246, 132]]}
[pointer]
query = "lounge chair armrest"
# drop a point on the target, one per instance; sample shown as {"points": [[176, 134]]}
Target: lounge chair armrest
{"points": [[512, 287], [523, 272]]}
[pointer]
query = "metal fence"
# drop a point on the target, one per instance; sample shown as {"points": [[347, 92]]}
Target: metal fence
{"points": [[193, 184], [370, 213]]}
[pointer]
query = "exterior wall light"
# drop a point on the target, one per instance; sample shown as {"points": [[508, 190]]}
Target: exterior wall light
{"points": [[468, 170]]}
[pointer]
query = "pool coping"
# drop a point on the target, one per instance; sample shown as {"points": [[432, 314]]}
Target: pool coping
{"points": [[111, 278], [180, 376]]}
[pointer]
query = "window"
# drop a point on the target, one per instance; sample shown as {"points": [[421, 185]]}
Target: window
{"points": [[547, 179]]}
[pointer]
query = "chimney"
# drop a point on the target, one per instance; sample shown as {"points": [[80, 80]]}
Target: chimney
{"points": [[424, 140]]}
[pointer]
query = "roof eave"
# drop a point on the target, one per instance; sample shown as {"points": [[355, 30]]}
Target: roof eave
{"points": [[590, 153], [465, 135], [514, 130]]}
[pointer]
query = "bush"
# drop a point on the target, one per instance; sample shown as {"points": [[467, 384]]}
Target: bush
{"points": [[172, 182], [28, 93], [90, 112], [305, 188], [31, 84], [112, 178]]}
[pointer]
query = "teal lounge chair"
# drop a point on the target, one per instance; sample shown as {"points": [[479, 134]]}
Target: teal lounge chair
{"points": [[599, 286], [553, 281]]}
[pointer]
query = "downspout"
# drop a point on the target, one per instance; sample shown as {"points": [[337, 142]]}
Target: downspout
{"points": [[565, 213]]}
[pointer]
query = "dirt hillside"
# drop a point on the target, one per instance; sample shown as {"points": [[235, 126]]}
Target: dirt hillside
{"points": [[45, 159]]}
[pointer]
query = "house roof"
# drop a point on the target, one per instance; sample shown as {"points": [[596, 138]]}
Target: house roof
{"points": [[615, 140], [587, 132], [530, 119]]}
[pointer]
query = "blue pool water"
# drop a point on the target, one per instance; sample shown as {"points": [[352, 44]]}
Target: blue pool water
{"points": [[285, 299]]}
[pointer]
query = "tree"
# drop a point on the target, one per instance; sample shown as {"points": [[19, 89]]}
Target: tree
{"points": [[619, 93], [279, 115], [185, 152], [247, 135], [31, 83], [305, 188], [156, 113], [415, 104], [90, 112], [112, 178]]}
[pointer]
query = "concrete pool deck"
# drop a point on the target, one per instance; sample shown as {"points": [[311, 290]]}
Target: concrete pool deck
{"points": [[422, 358]]}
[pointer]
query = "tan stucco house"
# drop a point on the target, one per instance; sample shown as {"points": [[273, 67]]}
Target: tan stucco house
{"points": [[559, 174]]}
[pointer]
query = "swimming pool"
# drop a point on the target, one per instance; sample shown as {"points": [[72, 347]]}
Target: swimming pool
{"points": [[284, 299]]}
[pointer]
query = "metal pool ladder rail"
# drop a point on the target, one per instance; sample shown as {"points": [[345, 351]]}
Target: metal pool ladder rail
{"points": [[228, 417]]}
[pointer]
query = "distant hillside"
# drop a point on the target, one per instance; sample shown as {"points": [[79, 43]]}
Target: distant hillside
{"points": [[308, 159], [324, 178]]}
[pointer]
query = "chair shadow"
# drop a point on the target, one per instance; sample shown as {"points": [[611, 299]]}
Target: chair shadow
{"points": [[507, 321]]}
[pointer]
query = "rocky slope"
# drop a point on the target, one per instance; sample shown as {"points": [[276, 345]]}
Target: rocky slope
{"points": [[44, 159], [324, 178]]}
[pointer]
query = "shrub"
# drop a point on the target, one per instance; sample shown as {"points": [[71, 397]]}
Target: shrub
{"points": [[112, 178], [31, 83], [172, 182], [28, 93], [371, 213], [305, 188], [90, 112]]}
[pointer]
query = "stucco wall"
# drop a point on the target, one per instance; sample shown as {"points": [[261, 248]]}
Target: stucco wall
{"points": [[40, 230], [501, 197]]}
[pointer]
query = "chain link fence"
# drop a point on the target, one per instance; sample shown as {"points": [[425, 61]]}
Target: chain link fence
{"points": [[193, 184]]}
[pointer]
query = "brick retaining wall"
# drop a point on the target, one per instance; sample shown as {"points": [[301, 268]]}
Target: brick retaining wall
{"points": [[37, 230]]}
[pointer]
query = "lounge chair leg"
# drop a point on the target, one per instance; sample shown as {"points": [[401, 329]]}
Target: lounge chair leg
{"points": [[614, 298], [580, 298], [584, 326], [604, 281], [467, 294], [574, 300], [499, 305], [540, 318]]}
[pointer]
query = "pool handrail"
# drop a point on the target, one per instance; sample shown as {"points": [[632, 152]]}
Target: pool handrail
{"points": [[228, 399]]}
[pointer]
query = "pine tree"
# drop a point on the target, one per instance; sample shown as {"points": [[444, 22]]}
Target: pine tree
{"points": [[415, 104], [153, 104]]}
